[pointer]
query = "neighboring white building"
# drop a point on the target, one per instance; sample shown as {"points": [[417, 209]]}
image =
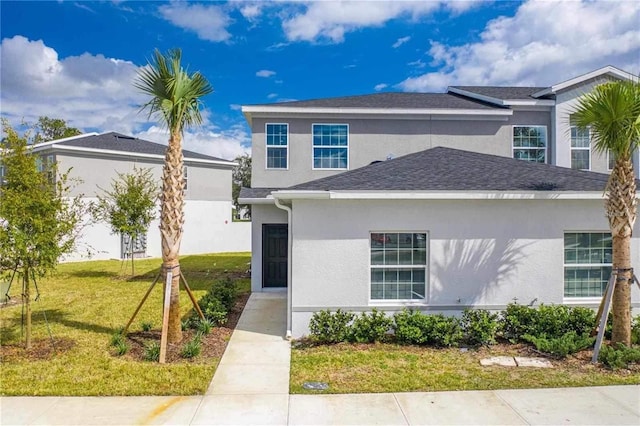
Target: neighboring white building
{"points": [[96, 159], [415, 199]]}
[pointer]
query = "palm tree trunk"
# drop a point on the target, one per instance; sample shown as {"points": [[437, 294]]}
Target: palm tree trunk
{"points": [[621, 207], [171, 221]]}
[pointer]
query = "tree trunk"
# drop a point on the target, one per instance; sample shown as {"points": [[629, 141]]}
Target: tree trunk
{"points": [[27, 303], [171, 221], [621, 207]]}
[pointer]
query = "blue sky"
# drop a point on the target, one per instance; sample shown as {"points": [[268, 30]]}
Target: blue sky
{"points": [[77, 59]]}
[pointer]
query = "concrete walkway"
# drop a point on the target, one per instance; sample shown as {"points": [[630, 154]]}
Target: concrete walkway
{"points": [[251, 387]]}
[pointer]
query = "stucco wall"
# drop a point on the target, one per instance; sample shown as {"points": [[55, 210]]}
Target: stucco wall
{"points": [[261, 214], [481, 253], [208, 228], [205, 182], [371, 140]]}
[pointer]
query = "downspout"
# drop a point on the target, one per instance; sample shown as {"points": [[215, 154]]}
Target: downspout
{"points": [[289, 261]]}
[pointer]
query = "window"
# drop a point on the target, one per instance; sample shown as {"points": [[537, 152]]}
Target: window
{"points": [[277, 146], [611, 159], [587, 263], [330, 146], [2, 175], [530, 143], [398, 265], [185, 177], [580, 149], [46, 163]]}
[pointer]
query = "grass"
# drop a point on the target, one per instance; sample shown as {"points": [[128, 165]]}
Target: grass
{"points": [[88, 302], [393, 368]]}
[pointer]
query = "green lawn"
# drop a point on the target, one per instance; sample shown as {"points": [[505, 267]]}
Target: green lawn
{"points": [[87, 302], [391, 368]]}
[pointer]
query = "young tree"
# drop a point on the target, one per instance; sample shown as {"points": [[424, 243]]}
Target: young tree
{"points": [[612, 112], [129, 206], [241, 178], [39, 222], [175, 100]]}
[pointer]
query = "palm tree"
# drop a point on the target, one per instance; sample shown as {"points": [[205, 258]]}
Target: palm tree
{"points": [[175, 100], [612, 112]]}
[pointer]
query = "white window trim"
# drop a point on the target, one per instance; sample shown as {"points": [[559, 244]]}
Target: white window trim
{"points": [[324, 146], [402, 302], [546, 136], [581, 299], [571, 148], [266, 147]]}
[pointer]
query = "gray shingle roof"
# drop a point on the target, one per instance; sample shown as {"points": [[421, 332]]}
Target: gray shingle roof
{"points": [[446, 169], [118, 142], [256, 192], [502, 93], [391, 100]]}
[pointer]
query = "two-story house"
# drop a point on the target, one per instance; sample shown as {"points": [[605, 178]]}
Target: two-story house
{"points": [[95, 160], [438, 201]]}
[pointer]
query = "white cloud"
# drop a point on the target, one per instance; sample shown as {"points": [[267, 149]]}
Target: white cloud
{"points": [[265, 73], [542, 44], [235, 107], [251, 11], [89, 91], [227, 144], [92, 92], [379, 87], [330, 20], [272, 95], [399, 42], [208, 22]]}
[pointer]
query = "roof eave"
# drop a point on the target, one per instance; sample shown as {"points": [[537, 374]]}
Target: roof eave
{"points": [[436, 195], [608, 70], [250, 111]]}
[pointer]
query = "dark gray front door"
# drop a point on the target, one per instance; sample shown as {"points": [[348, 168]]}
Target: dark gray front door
{"points": [[274, 255]]}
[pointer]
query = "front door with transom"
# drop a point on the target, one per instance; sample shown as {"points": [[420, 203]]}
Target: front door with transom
{"points": [[274, 255]]}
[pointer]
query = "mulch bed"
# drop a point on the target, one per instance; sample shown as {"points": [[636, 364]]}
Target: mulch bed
{"points": [[213, 344]]}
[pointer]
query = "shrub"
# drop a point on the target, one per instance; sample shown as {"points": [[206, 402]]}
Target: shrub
{"points": [[192, 348], [225, 291], [146, 326], [213, 309], [327, 327], [619, 356], [635, 330], [117, 338], [121, 348], [479, 326], [151, 352], [517, 320], [369, 328], [582, 320], [413, 327], [560, 347], [204, 326]]}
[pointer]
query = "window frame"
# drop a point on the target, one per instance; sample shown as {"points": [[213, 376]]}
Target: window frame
{"points": [[267, 146], [581, 299], [313, 146], [546, 145], [420, 301], [609, 156], [185, 177], [572, 148]]}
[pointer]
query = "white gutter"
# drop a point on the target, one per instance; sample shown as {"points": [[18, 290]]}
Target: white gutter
{"points": [[438, 195], [267, 200], [289, 261]]}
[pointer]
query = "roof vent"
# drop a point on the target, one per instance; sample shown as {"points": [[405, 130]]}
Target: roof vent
{"points": [[390, 156]]}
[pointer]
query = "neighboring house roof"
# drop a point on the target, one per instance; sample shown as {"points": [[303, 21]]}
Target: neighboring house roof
{"points": [[256, 192], [113, 142], [446, 169], [389, 100], [503, 93]]}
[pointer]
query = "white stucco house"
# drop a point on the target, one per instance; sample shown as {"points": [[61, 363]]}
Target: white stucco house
{"points": [[476, 197], [96, 159]]}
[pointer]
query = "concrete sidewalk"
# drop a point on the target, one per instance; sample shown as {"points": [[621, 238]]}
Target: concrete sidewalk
{"points": [[251, 387]]}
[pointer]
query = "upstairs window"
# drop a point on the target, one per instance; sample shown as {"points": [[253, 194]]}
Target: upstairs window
{"points": [[580, 149], [611, 160], [530, 143], [185, 177], [331, 146], [45, 164], [277, 146]]}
